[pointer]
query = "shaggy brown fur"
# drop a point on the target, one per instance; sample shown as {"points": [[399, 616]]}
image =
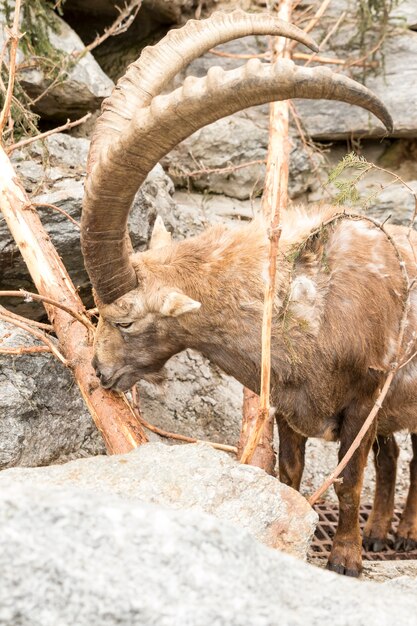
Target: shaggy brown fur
{"points": [[338, 308]]}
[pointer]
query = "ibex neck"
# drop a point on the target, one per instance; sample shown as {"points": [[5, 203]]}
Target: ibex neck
{"points": [[225, 270]]}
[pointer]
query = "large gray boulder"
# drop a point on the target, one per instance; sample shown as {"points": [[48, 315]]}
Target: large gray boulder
{"points": [[74, 557], [238, 145], [43, 418], [396, 86], [53, 173], [193, 477], [196, 399]]}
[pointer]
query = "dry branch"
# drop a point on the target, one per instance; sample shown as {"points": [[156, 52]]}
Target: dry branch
{"points": [[264, 455], [120, 25], [24, 350], [48, 327], [274, 200], [302, 56], [119, 427], [54, 207], [38, 334], [205, 171], [79, 314], [356, 442], [48, 133]]}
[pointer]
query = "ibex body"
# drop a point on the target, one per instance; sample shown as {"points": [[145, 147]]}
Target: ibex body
{"points": [[339, 290]]}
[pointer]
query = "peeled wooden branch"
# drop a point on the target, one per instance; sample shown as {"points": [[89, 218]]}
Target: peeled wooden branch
{"points": [[120, 429], [14, 37], [264, 455], [274, 200]]}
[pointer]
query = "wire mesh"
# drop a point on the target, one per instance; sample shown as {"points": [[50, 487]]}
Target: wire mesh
{"points": [[326, 529]]}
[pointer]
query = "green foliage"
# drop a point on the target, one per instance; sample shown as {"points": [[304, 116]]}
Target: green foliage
{"points": [[37, 21], [347, 190], [373, 21]]}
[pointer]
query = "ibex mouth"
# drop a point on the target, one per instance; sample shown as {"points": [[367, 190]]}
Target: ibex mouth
{"points": [[124, 379]]}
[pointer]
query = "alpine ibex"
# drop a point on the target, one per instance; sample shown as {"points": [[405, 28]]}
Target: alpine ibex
{"points": [[338, 292]]}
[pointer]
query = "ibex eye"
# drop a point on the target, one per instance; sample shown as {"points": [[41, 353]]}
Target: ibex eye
{"points": [[124, 325]]}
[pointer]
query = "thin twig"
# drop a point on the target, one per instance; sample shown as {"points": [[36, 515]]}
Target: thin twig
{"points": [[24, 350], [216, 170], [48, 327], [27, 295], [169, 435], [57, 208], [356, 442], [299, 56], [14, 37], [48, 133], [120, 25], [38, 335], [317, 16], [313, 56]]}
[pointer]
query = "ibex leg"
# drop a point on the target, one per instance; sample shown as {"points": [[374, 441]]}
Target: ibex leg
{"points": [[407, 528], [291, 454], [379, 522], [345, 557]]}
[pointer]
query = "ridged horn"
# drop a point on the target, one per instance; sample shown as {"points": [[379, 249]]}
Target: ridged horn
{"points": [[156, 129], [158, 65]]}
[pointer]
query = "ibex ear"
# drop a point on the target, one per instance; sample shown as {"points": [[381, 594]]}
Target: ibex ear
{"points": [[176, 303], [160, 236]]}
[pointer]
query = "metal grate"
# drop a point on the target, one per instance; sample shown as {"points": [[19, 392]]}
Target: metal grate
{"points": [[326, 529]]}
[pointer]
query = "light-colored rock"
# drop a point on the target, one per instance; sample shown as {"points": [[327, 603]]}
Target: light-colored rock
{"points": [[43, 418], [229, 144], [406, 13], [82, 87], [194, 477], [396, 86], [197, 399], [68, 557]]}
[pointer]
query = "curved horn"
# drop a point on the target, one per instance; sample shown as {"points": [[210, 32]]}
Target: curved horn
{"points": [[156, 129], [159, 64]]}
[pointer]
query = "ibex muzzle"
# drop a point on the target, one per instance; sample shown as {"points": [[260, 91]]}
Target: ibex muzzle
{"points": [[339, 291]]}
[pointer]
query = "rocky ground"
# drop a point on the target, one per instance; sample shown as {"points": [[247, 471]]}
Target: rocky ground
{"points": [[42, 416]]}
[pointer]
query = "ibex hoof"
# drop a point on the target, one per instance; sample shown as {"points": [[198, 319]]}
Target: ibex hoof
{"points": [[374, 544], [404, 544], [345, 559], [341, 569]]}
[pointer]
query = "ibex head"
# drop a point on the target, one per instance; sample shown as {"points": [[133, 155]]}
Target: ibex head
{"points": [[140, 331], [142, 305]]}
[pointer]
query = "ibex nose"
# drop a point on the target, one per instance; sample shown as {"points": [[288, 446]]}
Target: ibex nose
{"points": [[103, 379], [96, 367]]}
